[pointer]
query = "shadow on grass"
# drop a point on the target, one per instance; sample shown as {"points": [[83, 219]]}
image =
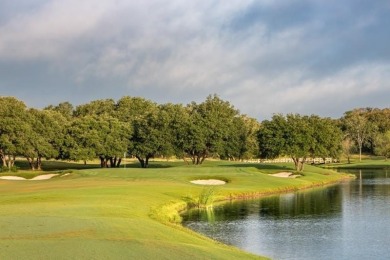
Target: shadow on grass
{"points": [[282, 167], [57, 165], [52, 165], [150, 166], [67, 165]]}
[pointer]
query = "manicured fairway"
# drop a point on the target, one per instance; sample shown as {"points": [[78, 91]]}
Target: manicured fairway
{"points": [[119, 213]]}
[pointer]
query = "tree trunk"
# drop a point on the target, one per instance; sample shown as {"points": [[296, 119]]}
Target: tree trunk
{"points": [[103, 162], [39, 163], [360, 144], [147, 162], [31, 163], [303, 163], [115, 160], [197, 160], [185, 160], [203, 158], [118, 163], [2, 159], [296, 162], [299, 164], [9, 161], [302, 166], [141, 161]]}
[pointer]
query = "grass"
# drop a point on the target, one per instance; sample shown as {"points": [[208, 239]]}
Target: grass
{"points": [[369, 163], [129, 213]]}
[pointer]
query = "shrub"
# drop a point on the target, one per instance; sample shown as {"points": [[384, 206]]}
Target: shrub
{"points": [[6, 169]]}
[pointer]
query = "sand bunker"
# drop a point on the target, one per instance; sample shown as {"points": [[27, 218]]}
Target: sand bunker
{"points": [[36, 178], [284, 175], [208, 182]]}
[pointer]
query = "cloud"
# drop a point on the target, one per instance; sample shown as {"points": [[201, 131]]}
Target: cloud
{"points": [[48, 31], [264, 56]]}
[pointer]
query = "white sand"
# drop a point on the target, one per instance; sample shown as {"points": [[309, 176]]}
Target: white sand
{"points": [[284, 175], [14, 178], [208, 182], [37, 178], [44, 177]]}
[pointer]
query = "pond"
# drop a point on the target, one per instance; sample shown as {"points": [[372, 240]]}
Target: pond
{"points": [[349, 220]]}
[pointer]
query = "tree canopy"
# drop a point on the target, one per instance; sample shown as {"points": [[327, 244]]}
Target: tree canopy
{"points": [[299, 137], [108, 130]]}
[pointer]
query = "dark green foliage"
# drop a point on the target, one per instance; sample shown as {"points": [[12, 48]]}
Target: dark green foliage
{"points": [[363, 125], [142, 129], [210, 126], [45, 137], [358, 128], [150, 136], [7, 169], [299, 137], [14, 130], [383, 145]]}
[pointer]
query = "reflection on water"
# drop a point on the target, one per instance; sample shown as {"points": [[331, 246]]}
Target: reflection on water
{"points": [[349, 220]]}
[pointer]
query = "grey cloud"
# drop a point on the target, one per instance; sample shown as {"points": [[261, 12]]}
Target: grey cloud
{"points": [[263, 56]]}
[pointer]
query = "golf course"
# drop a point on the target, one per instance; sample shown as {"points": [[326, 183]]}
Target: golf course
{"points": [[85, 212]]}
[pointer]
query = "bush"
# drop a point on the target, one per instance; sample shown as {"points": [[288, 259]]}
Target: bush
{"points": [[6, 169]]}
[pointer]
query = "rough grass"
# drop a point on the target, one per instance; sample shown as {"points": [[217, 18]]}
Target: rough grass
{"points": [[128, 213]]}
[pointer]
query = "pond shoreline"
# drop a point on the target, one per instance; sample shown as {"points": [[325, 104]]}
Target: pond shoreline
{"points": [[321, 212]]}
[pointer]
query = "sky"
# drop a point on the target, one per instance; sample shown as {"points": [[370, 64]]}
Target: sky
{"points": [[321, 57]]}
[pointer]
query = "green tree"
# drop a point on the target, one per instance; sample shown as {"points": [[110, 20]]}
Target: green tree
{"points": [[100, 108], [115, 139], [210, 123], [102, 137], [347, 146], [150, 135], [64, 108], [45, 136], [380, 121], [299, 137], [129, 109], [82, 140], [241, 142], [383, 145], [14, 129], [357, 127], [327, 137], [272, 137], [177, 118]]}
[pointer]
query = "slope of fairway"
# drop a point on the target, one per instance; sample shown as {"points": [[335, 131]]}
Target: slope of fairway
{"points": [[111, 213]]}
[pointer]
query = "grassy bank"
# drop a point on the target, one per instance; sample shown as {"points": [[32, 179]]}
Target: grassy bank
{"points": [[370, 163], [126, 213]]}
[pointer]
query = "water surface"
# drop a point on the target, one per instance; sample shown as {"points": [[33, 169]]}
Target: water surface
{"points": [[346, 221]]}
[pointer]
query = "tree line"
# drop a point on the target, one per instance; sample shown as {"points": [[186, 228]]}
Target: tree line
{"points": [[140, 128], [132, 126]]}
